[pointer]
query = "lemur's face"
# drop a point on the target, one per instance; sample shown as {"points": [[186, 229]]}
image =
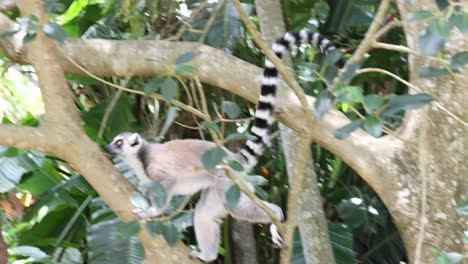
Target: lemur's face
{"points": [[124, 144]]}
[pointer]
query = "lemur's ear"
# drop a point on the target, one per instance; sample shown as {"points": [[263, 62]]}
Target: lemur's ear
{"points": [[134, 139]]}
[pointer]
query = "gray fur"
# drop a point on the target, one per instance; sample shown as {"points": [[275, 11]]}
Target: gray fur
{"points": [[177, 166]]}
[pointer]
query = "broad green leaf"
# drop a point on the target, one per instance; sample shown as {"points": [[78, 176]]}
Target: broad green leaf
{"points": [[341, 238], [153, 85], [441, 27], [372, 102], [55, 31], [350, 72], [442, 4], [405, 102], [430, 43], [169, 89], [418, 15], [322, 9], [372, 126], [186, 57], [353, 214], [73, 11], [139, 201], [170, 233], [449, 258], [331, 58], [231, 109], [29, 37], [126, 230], [344, 132], [462, 209], [235, 165], [461, 21], [349, 94], [34, 253], [10, 33], [183, 69], [158, 194], [323, 103], [155, 227], [459, 60], [239, 136], [211, 125], [213, 157], [233, 196], [428, 72]]}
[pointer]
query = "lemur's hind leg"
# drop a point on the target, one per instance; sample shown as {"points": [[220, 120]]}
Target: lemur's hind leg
{"points": [[247, 210], [208, 215]]}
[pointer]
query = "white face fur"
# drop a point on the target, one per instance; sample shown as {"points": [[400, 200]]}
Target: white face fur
{"points": [[124, 144]]}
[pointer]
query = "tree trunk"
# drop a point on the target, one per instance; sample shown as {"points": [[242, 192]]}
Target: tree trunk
{"points": [[311, 217]]}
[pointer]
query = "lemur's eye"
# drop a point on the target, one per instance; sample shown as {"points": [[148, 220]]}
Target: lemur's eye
{"points": [[118, 143]]}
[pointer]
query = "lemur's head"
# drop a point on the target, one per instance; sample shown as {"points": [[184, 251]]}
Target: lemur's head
{"points": [[125, 144]]}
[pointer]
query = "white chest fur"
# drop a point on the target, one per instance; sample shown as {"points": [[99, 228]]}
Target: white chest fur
{"points": [[137, 166]]}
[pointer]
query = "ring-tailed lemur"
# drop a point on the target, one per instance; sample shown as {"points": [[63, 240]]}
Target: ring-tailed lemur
{"points": [[177, 164]]}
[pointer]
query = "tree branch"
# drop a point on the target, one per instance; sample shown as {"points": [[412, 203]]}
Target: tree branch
{"points": [[24, 137], [224, 71]]}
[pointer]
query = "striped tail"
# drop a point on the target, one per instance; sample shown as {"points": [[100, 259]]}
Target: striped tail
{"points": [[264, 113]]}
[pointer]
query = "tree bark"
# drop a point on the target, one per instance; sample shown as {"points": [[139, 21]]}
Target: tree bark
{"points": [[244, 247], [310, 215]]}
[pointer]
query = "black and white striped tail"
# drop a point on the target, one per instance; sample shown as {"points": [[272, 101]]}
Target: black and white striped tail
{"points": [[266, 102]]}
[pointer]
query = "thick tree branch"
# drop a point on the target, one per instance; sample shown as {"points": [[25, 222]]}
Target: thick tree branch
{"points": [[24, 137], [223, 70]]}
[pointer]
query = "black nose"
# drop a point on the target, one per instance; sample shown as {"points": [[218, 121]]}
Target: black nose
{"points": [[107, 149]]}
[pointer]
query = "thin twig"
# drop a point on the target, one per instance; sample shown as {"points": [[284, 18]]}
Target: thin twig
{"points": [[154, 96], [210, 21], [387, 27]]}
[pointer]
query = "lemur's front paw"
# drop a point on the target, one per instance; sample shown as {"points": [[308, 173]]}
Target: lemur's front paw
{"points": [[198, 255], [275, 236], [142, 213]]}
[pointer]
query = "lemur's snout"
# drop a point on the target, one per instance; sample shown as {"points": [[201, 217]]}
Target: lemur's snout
{"points": [[108, 149]]}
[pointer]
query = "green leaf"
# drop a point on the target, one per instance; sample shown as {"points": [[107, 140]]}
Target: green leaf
{"points": [[126, 230], [405, 102], [418, 15], [442, 4], [372, 126], [430, 43], [233, 196], [323, 103], [55, 31], [50, 6], [350, 72], [461, 21], [213, 157], [235, 165], [449, 258], [231, 109], [186, 57], [73, 11], [34, 253], [441, 27], [462, 209], [169, 89], [349, 94], [29, 37], [459, 60], [372, 102], [428, 72], [139, 201], [240, 136], [183, 69], [158, 194], [211, 125], [344, 132], [155, 227], [153, 85], [10, 33], [322, 9], [331, 58], [170, 233]]}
